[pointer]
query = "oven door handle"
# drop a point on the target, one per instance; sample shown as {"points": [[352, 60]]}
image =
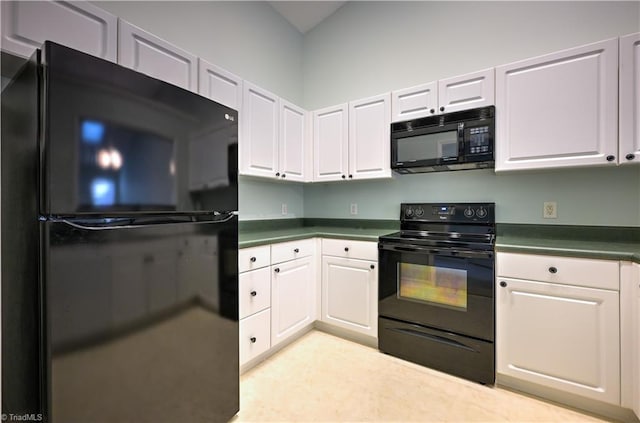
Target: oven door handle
{"points": [[451, 252]]}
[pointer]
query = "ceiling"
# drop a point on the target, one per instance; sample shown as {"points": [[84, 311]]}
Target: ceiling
{"points": [[305, 15]]}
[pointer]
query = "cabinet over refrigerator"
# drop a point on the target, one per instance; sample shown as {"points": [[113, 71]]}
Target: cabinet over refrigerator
{"points": [[119, 246]]}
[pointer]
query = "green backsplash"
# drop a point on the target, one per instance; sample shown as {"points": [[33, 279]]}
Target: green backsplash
{"points": [[263, 199], [607, 196]]}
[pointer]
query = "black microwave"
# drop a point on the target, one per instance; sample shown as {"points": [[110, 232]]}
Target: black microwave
{"points": [[451, 141]]}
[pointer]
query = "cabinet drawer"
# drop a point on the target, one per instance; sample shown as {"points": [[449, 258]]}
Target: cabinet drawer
{"points": [[254, 290], [590, 273], [255, 335], [364, 250], [254, 258], [286, 251]]}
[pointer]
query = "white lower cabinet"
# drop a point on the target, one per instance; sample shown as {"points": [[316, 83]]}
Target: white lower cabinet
{"points": [[559, 335], [350, 285], [635, 340], [255, 335], [292, 298]]}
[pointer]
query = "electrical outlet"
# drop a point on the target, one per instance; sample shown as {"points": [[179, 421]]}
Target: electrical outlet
{"points": [[550, 210], [284, 209], [354, 208]]}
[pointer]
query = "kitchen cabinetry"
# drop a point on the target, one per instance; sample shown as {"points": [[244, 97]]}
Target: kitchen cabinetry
{"points": [[273, 137], [559, 110], [350, 285], [254, 306], [558, 323], [635, 339], [79, 25], [351, 141], [219, 85], [151, 55], [630, 99], [453, 94]]}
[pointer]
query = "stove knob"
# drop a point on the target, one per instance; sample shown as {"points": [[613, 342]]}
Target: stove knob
{"points": [[408, 212], [481, 212], [468, 212], [419, 211]]}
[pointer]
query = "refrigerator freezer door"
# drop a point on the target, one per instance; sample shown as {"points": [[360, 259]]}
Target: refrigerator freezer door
{"points": [[116, 141], [142, 322]]}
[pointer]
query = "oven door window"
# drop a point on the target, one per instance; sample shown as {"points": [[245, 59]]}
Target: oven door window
{"points": [[441, 286], [428, 147]]}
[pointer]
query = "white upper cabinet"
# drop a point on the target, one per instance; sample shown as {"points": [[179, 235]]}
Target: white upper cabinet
{"points": [[369, 134], [151, 55], [293, 142], [559, 110], [414, 102], [630, 99], [461, 92], [274, 136], [219, 85], [259, 140], [468, 91], [79, 25], [330, 139]]}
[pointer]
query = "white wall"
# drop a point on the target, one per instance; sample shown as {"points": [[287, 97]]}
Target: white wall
{"points": [[367, 48]]}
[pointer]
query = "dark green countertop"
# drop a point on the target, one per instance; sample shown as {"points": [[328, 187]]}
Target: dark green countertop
{"points": [[599, 242], [254, 233], [608, 243]]}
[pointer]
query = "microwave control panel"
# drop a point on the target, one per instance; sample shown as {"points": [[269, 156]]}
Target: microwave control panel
{"points": [[479, 140]]}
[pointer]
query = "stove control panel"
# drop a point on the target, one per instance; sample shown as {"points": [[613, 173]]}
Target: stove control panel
{"points": [[448, 212]]}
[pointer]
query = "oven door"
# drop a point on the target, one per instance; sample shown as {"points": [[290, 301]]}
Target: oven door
{"points": [[444, 288], [432, 146]]}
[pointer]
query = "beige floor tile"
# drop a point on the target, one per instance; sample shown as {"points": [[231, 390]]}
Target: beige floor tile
{"points": [[322, 378]]}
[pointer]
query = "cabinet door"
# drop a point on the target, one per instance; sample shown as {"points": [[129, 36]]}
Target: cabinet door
{"points": [[330, 141], [369, 134], [293, 142], [558, 110], [254, 335], [350, 294], [254, 291], [630, 99], [292, 298], [560, 336], [148, 54], [635, 339], [219, 85], [259, 141], [468, 91], [79, 25], [414, 102]]}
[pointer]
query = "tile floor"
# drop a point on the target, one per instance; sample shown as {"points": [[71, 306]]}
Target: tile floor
{"points": [[321, 377]]}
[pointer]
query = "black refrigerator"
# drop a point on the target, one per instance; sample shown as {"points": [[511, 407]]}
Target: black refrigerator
{"points": [[119, 246]]}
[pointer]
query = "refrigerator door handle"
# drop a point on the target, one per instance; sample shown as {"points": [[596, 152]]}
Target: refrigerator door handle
{"points": [[132, 223]]}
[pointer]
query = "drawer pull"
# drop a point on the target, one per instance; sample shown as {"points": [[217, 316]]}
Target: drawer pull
{"points": [[553, 270], [254, 293], [346, 249], [277, 270], [372, 266], [297, 250], [253, 259], [253, 339], [503, 284]]}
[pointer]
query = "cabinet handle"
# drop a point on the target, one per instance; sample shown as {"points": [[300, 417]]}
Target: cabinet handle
{"points": [[372, 266], [350, 176], [346, 249], [611, 158], [553, 270], [442, 108], [503, 284], [297, 250], [253, 259], [253, 339], [277, 173], [284, 175], [277, 270], [630, 156], [432, 111], [254, 293], [344, 177]]}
